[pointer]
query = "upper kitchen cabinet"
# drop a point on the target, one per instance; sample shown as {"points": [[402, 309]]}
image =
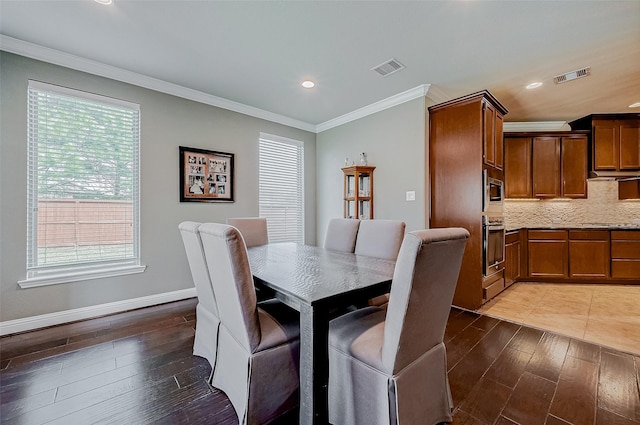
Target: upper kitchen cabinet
{"points": [[574, 165], [629, 188], [546, 165], [517, 167], [615, 141], [493, 147]]}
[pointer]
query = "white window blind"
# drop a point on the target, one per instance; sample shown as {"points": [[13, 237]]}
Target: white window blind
{"points": [[281, 181], [83, 183]]}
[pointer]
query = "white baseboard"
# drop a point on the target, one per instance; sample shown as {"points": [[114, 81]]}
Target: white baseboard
{"points": [[51, 319]]}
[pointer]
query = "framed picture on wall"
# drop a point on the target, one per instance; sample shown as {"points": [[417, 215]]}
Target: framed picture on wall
{"points": [[206, 176]]}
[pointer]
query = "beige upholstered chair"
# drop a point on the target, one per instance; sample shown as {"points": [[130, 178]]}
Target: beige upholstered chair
{"points": [[258, 345], [389, 366], [207, 319], [253, 230], [341, 234], [381, 239]]}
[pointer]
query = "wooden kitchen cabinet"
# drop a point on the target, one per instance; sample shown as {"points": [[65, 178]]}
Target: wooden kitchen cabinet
{"points": [[493, 144], [517, 167], [589, 253], [546, 165], [615, 140], [548, 253], [578, 255], [629, 189], [461, 133], [513, 257], [574, 166], [625, 254]]}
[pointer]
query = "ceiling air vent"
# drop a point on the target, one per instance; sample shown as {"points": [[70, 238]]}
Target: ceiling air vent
{"points": [[573, 75], [388, 67]]}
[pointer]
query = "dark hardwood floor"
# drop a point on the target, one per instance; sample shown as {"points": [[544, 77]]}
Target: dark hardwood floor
{"points": [[136, 367]]}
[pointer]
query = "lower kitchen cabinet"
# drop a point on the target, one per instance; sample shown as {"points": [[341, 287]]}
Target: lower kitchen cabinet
{"points": [[492, 285], [589, 254], [513, 257], [625, 254], [548, 253]]}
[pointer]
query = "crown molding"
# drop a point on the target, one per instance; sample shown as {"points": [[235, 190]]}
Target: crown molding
{"points": [[381, 105], [56, 57], [534, 126], [437, 95]]}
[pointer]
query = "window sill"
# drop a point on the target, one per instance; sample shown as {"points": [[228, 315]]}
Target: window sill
{"points": [[54, 278]]}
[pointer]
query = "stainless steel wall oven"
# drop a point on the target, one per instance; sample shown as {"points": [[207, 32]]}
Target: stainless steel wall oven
{"points": [[493, 250]]}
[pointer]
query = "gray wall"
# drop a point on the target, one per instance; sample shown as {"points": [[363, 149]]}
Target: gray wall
{"points": [[166, 123], [394, 140]]}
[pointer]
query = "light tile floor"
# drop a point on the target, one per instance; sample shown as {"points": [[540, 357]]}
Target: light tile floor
{"points": [[605, 314]]}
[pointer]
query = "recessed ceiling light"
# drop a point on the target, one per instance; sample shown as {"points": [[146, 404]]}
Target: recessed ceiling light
{"points": [[106, 2], [534, 85], [635, 105], [308, 84]]}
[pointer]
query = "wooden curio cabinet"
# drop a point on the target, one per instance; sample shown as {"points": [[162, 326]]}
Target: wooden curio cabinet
{"points": [[358, 191]]}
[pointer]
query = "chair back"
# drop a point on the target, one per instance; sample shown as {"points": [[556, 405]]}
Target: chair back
{"points": [[424, 281], [228, 264], [198, 266], [341, 234], [380, 238], [253, 230]]}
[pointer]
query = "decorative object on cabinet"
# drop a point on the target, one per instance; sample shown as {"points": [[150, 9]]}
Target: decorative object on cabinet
{"points": [[358, 191], [465, 138], [206, 176], [546, 165], [615, 143]]}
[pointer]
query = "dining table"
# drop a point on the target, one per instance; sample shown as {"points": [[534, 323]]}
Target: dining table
{"points": [[319, 283]]}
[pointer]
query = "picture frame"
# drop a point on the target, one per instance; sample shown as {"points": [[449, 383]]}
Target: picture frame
{"points": [[206, 176]]}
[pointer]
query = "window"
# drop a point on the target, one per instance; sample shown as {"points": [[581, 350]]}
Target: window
{"points": [[83, 186], [281, 183]]}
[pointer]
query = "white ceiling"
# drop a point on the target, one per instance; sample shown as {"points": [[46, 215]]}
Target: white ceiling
{"points": [[257, 53]]}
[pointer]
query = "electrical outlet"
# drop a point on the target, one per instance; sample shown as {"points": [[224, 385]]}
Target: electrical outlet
{"points": [[411, 195]]}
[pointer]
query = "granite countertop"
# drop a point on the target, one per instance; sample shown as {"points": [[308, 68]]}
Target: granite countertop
{"points": [[585, 226]]}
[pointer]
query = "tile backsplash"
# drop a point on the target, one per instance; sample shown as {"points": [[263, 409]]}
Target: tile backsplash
{"points": [[602, 206]]}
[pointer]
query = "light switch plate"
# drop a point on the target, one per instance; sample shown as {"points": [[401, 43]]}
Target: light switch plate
{"points": [[411, 195]]}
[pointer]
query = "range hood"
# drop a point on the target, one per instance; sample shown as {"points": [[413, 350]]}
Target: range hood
{"points": [[613, 174]]}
